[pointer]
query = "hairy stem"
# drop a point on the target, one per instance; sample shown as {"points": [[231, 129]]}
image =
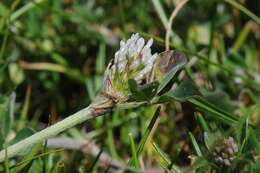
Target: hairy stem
{"points": [[77, 118]]}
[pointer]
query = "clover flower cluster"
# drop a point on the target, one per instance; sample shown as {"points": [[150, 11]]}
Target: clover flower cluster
{"points": [[225, 152], [133, 60]]}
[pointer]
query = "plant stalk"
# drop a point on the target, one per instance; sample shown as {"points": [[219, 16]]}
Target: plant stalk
{"points": [[77, 118]]}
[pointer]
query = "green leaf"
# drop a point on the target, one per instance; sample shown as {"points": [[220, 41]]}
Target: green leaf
{"points": [[220, 99], [133, 88], [149, 90], [185, 90], [144, 92], [166, 67]]}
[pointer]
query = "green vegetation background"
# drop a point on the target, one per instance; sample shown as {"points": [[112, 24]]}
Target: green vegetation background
{"points": [[52, 58]]}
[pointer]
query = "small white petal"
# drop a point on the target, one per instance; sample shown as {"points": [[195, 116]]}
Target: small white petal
{"points": [[117, 54], [146, 55], [122, 54], [149, 43], [129, 41], [131, 50], [122, 43], [140, 44], [135, 46], [135, 37], [123, 51]]}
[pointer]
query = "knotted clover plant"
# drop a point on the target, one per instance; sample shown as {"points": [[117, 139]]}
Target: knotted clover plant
{"points": [[134, 77]]}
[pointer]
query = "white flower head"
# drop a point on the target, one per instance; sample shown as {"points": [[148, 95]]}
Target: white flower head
{"points": [[133, 60]]}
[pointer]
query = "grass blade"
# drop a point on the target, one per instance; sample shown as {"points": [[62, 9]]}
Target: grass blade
{"points": [[195, 144], [217, 112], [146, 135], [133, 150], [244, 10], [202, 122], [159, 9], [167, 163], [94, 163], [24, 9]]}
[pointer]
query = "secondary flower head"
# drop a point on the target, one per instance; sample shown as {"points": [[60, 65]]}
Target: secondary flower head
{"points": [[133, 60], [225, 152]]}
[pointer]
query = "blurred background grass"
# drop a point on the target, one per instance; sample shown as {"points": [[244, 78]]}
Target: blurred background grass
{"points": [[53, 55]]}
